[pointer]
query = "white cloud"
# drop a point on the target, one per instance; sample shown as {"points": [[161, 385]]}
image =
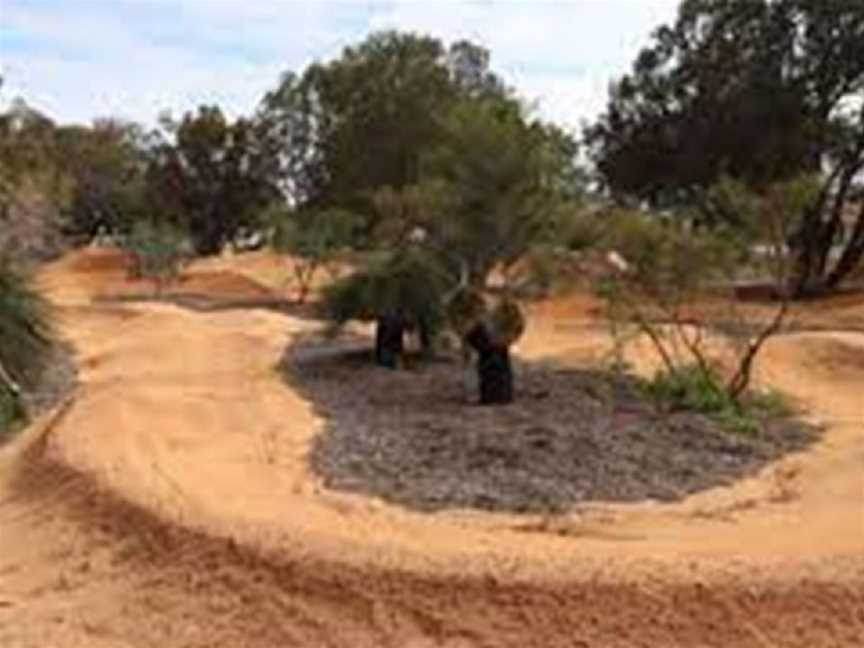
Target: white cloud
{"points": [[134, 58], [560, 54]]}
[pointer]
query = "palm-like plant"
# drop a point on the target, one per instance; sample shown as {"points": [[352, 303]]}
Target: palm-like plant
{"points": [[402, 292], [25, 332]]}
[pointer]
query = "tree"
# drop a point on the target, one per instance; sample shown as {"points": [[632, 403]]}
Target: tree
{"points": [[106, 163], [400, 292], [490, 193], [676, 287], [34, 184], [212, 179], [761, 91], [345, 128], [313, 239], [367, 115], [506, 182], [159, 251], [25, 329]]}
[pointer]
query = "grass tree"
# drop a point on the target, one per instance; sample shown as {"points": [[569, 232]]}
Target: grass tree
{"points": [[489, 331], [490, 195], [26, 340], [400, 292]]}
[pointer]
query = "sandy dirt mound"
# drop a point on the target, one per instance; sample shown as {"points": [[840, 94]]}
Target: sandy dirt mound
{"points": [[104, 273], [171, 504]]}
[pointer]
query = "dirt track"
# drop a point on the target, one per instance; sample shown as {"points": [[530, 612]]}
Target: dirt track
{"points": [[170, 504]]}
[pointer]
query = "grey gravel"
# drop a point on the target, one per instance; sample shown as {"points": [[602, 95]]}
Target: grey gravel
{"points": [[412, 438]]}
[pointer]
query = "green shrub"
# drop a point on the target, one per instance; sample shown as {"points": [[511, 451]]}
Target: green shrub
{"points": [[159, 251], [11, 410], [691, 388], [688, 387], [408, 282], [26, 336]]}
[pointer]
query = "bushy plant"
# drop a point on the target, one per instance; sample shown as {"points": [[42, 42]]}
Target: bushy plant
{"points": [[11, 409], [690, 388], [313, 239], [676, 285], [25, 330], [159, 252], [408, 283]]}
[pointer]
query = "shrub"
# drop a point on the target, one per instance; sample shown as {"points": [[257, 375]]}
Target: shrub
{"points": [[159, 251], [676, 285], [26, 336], [408, 283], [313, 239], [691, 388], [11, 409]]}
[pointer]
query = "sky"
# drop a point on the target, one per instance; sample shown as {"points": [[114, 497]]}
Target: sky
{"points": [[80, 59]]}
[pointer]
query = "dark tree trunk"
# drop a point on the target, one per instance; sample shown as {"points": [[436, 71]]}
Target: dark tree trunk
{"points": [[389, 333], [817, 237], [815, 276], [494, 370], [426, 340], [852, 255]]}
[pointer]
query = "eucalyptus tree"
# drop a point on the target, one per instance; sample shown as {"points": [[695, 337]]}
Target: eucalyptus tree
{"points": [[490, 193], [211, 176], [759, 90]]}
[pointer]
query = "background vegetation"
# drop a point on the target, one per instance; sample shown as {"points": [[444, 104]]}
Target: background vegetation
{"points": [[735, 146]]}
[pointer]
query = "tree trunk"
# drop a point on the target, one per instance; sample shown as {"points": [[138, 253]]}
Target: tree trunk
{"points": [[814, 273], [494, 370], [816, 237], [424, 332], [852, 255], [389, 333]]}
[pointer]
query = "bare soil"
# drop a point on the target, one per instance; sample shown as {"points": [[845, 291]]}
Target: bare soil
{"points": [[573, 435]]}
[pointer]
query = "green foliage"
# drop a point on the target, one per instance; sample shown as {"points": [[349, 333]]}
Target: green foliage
{"points": [[691, 388], [666, 287], [106, 163], [502, 186], [408, 283], [749, 90], [313, 235], [11, 409], [490, 192], [26, 334], [34, 184], [761, 91], [666, 260], [213, 179], [345, 128], [312, 238], [159, 251]]}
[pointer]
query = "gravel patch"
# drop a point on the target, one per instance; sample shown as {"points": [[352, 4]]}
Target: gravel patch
{"points": [[412, 438]]}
